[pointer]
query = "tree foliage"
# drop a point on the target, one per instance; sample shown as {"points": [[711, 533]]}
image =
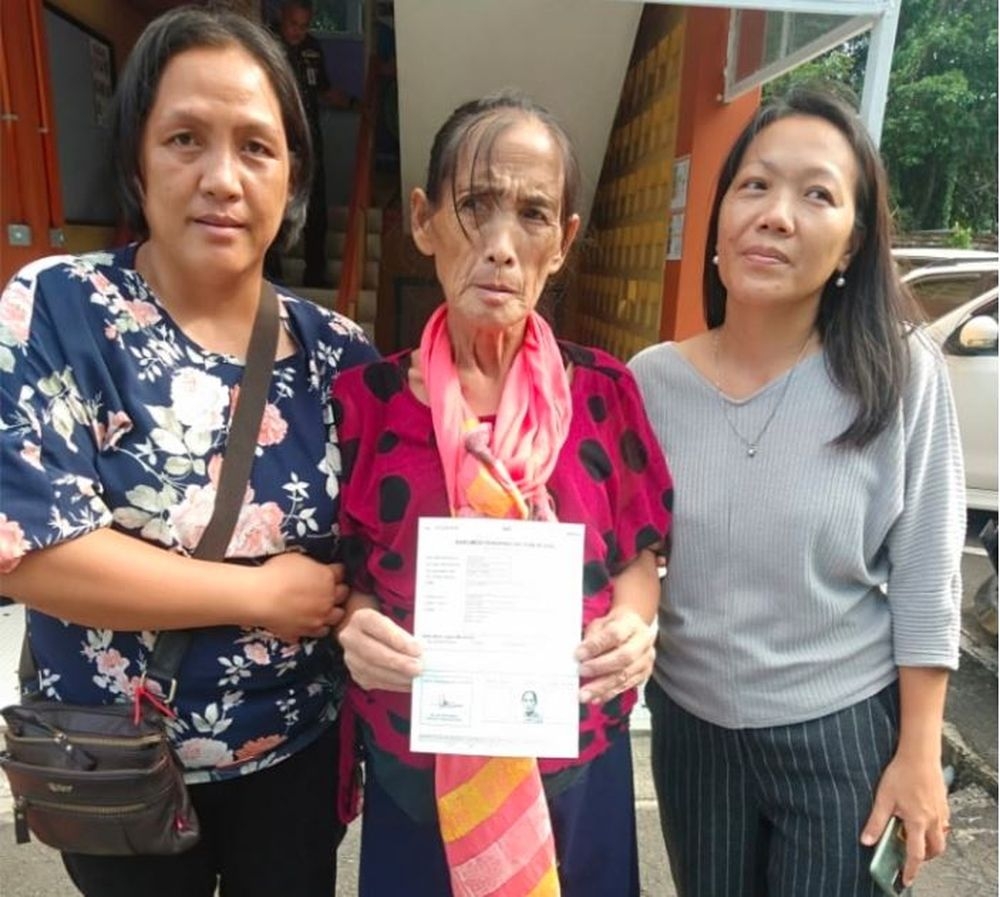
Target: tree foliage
{"points": [[940, 135]]}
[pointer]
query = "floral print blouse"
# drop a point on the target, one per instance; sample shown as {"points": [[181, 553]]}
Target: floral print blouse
{"points": [[111, 417]]}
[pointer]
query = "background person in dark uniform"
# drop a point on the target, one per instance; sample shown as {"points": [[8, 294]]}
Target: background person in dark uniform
{"points": [[305, 54]]}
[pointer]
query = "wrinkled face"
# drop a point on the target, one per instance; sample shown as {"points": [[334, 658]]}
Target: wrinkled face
{"points": [[786, 223], [214, 163], [294, 25], [495, 252]]}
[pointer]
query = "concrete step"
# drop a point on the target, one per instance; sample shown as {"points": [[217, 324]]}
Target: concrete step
{"points": [[367, 306], [969, 866], [335, 240], [970, 730], [337, 219], [970, 735], [327, 298]]}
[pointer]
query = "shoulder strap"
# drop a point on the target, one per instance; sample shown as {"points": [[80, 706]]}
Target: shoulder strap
{"points": [[237, 462], [241, 442], [240, 447]]}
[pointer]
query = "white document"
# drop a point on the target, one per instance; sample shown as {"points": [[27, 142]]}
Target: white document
{"points": [[499, 606]]}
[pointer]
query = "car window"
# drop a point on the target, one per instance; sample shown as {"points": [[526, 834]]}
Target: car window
{"points": [[909, 258], [937, 294]]}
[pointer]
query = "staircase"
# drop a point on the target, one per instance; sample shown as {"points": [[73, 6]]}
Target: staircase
{"points": [[293, 266]]}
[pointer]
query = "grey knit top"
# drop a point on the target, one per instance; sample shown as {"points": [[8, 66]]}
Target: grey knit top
{"points": [[802, 577]]}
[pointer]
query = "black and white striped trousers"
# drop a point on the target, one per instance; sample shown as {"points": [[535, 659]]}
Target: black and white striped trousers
{"points": [[773, 812]]}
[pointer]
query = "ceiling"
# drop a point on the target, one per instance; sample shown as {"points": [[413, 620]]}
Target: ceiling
{"points": [[572, 59], [153, 8]]}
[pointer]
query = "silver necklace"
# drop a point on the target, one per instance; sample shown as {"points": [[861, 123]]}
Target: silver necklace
{"points": [[752, 446]]}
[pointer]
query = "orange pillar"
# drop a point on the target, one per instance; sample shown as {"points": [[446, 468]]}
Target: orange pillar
{"points": [[706, 128]]}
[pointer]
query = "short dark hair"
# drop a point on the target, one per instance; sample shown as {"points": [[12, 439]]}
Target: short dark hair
{"points": [[862, 324], [476, 125], [190, 28]]}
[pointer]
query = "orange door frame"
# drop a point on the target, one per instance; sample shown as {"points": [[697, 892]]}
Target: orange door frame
{"points": [[30, 196]]}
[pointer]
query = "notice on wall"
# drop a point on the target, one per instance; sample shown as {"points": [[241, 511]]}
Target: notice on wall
{"points": [[682, 172], [675, 237]]}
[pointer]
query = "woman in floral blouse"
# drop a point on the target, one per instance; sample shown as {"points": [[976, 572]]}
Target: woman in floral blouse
{"points": [[119, 372]]}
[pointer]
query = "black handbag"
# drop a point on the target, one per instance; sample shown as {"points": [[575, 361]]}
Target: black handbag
{"points": [[92, 780], [104, 779]]}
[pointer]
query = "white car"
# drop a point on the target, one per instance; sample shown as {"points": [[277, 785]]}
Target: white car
{"points": [[942, 286], [968, 338], [909, 258]]}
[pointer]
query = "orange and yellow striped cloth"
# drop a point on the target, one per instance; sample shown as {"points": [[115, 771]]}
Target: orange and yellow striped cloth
{"points": [[496, 827], [492, 812]]}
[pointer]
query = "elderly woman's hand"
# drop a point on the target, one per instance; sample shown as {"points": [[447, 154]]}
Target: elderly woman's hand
{"points": [[300, 597], [616, 654], [378, 652], [617, 649]]}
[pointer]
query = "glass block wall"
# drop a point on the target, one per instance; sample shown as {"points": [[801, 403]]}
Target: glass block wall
{"points": [[619, 285]]}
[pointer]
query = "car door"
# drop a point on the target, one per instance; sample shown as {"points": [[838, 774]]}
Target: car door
{"points": [[973, 374]]}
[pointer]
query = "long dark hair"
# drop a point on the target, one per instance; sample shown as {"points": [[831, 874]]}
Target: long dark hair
{"points": [[862, 324], [190, 28]]}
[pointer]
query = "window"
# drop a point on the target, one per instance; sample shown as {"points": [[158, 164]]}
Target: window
{"points": [[329, 16], [940, 291], [766, 44]]}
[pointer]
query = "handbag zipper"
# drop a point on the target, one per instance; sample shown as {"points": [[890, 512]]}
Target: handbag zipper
{"points": [[108, 775], [76, 745], [62, 738], [22, 834]]}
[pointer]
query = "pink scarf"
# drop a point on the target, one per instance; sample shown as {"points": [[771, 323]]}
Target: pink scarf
{"points": [[531, 425], [491, 810]]}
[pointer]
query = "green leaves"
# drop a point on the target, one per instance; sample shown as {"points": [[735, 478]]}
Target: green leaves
{"points": [[940, 136], [940, 142]]}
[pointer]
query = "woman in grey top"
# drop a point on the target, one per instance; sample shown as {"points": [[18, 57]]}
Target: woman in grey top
{"points": [[810, 613]]}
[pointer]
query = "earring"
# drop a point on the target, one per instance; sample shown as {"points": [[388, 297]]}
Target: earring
{"points": [[841, 280], [715, 259]]}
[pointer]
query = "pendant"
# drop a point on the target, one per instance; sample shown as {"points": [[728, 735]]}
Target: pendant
{"points": [[751, 451]]}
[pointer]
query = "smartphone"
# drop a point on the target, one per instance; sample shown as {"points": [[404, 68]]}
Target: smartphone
{"points": [[890, 853], [887, 861]]}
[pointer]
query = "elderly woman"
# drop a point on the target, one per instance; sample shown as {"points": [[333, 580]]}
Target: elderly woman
{"points": [[810, 613], [120, 380], [492, 403]]}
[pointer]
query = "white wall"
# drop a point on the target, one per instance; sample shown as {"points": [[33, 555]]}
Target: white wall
{"points": [[569, 55]]}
